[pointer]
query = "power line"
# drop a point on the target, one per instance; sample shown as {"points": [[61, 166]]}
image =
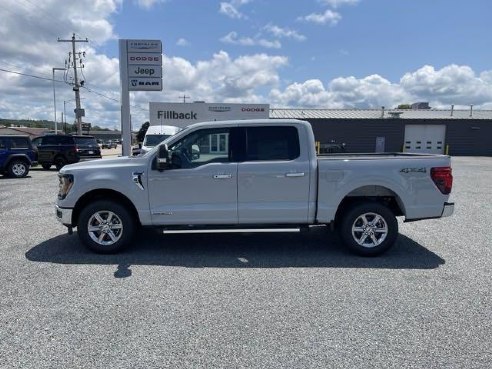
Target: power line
{"points": [[31, 75], [88, 89]]}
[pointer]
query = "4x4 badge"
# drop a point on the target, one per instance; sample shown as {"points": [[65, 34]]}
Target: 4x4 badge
{"points": [[413, 170]]}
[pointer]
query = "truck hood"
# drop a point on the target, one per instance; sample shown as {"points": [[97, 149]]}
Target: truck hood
{"points": [[130, 163]]}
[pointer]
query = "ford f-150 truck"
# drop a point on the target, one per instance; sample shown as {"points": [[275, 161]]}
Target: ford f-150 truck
{"points": [[252, 174]]}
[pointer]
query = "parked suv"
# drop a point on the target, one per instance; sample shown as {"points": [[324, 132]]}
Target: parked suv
{"points": [[16, 155], [60, 150]]}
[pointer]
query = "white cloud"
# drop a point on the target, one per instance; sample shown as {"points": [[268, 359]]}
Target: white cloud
{"points": [[182, 42], [284, 32], [148, 4], [452, 84], [233, 39], [328, 17], [231, 9], [339, 3]]}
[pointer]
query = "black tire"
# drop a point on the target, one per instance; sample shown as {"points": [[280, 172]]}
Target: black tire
{"points": [[18, 168], [110, 237], [46, 166], [60, 162], [368, 228]]}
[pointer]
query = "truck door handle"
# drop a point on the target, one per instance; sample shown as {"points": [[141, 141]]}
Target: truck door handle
{"points": [[222, 176], [301, 174]]}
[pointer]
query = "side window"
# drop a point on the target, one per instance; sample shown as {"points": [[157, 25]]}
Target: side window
{"points": [[19, 143], [272, 143], [49, 140], [65, 140], [200, 148]]}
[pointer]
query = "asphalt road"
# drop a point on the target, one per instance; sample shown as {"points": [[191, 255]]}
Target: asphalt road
{"points": [[249, 300]]}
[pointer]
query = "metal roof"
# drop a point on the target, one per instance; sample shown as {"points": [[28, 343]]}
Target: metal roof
{"points": [[378, 114]]}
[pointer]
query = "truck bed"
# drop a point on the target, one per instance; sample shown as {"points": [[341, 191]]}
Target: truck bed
{"points": [[372, 156]]}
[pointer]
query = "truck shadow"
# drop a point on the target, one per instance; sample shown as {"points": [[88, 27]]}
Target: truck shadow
{"points": [[316, 249]]}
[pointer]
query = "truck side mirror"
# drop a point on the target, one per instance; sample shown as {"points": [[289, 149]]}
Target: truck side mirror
{"points": [[162, 158]]}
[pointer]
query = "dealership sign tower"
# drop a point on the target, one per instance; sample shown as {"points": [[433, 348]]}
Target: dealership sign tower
{"points": [[140, 70]]}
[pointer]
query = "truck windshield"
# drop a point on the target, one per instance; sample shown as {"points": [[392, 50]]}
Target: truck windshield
{"points": [[152, 140]]}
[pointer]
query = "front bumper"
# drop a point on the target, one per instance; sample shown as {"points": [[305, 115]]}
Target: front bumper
{"points": [[448, 209], [64, 215]]}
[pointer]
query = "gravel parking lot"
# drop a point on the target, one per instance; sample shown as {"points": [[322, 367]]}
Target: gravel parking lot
{"points": [[249, 300]]}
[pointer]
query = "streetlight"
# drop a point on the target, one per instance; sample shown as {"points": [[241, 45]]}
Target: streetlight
{"points": [[54, 96]]}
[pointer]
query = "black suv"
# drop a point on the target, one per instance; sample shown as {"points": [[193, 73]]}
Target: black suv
{"points": [[64, 149], [16, 155]]}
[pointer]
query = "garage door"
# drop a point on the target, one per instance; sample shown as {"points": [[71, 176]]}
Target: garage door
{"points": [[425, 138]]}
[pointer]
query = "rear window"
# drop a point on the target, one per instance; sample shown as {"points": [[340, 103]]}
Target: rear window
{"points": [[272, 143], [85, 141]]}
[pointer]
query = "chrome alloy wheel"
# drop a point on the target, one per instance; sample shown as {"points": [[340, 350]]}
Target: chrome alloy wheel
{"points": [[19, 169], [369, 230], [105, 227]]}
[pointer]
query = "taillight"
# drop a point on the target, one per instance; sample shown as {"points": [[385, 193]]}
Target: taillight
{"points": [[443, 178], [77, 148]]}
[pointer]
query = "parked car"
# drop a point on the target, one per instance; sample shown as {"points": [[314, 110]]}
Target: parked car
{"points": [[17, 155], [252, 174], [60, 150], [109, 144]]}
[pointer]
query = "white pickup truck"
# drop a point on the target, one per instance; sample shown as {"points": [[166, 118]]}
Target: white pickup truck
{"points": [[252, 174]]}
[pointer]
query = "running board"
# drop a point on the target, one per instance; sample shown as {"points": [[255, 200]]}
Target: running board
{"points": [[235, 230]]}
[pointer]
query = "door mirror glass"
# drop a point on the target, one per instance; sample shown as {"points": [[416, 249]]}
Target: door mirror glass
{"points": [[162, 157]]}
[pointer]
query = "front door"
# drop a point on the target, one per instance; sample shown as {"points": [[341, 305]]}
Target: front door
{"points": [[200, 187]]}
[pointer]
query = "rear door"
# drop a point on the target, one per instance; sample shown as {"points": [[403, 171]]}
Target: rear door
{"points": [[274, 178]]}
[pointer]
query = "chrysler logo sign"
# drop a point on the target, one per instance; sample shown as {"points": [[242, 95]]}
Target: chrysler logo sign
{"points": [[219, 109]]}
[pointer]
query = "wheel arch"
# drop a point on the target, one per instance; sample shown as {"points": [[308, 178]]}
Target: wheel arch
{"points": [[380, 194], [103, 194], [22, 157]]}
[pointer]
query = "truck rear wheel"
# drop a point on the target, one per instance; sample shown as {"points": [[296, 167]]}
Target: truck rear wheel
{"points": [[105, 227], [368, 228]]}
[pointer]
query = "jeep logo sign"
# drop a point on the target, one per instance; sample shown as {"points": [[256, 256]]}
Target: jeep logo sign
{"points": [[144, 71]]}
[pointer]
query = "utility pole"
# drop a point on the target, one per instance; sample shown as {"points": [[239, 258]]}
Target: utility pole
{"points": [[78, 111], [184, 97]]}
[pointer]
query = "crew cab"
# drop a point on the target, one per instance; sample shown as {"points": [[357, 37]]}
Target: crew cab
{"points": [[252, 174]]}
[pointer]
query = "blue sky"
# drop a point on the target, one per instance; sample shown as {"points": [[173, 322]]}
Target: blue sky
{"points": [[386, 37], [292, 53]]}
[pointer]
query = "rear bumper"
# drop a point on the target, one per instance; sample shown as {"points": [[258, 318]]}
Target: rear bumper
{"points": [[448, 209], [64, 215]]}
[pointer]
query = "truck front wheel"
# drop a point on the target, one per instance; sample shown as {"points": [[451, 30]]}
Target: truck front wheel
{"points": [[368, 228], [105, 227]]}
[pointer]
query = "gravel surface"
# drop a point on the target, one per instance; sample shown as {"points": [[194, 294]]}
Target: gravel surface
{"points": [[247, 300]]}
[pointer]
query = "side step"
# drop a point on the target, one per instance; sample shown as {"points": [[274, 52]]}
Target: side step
{"points": [[232, 230]]}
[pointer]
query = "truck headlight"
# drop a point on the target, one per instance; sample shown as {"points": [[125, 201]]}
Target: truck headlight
{"points": [[66, 183]]}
